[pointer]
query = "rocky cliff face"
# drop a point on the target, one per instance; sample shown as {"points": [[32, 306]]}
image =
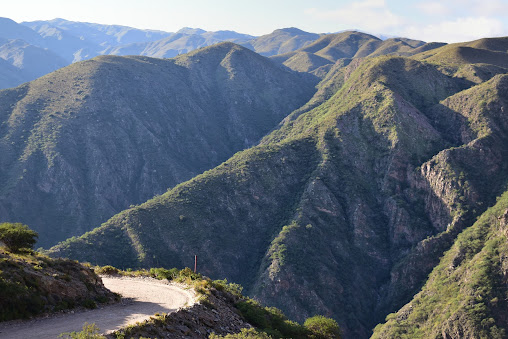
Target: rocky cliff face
{"points": [[460, 182], [87, 141], [464, 296]]}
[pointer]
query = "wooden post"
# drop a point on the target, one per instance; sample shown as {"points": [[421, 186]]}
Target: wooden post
{"points": [[195, 263]]}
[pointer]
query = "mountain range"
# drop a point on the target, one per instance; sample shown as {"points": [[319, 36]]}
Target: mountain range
{"points": [[39, 47], [348, 205], [332, 177]]}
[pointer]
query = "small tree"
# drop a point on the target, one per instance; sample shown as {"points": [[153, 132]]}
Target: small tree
{"points": [[320, 327], [16, 236]]}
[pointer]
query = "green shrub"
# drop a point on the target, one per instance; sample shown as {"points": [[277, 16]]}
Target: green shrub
{"points": [[90, 331], [17, 236], [244, 334], [223, 285], [108, 269], [187, 272], [89, 303], [18, 301], [320, 327], [162, 273], [270, 320]]}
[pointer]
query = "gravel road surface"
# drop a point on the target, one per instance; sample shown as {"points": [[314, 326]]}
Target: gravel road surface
{"points": [[142, 298]]}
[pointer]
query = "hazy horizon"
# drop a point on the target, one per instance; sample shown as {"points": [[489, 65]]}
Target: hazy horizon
{"points": [[452, 21]]}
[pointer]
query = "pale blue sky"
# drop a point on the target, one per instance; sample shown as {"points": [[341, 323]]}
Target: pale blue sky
{"points": [[445, 20]]}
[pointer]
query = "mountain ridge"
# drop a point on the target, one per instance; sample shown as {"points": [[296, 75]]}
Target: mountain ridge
{"points": [[79, 123]]}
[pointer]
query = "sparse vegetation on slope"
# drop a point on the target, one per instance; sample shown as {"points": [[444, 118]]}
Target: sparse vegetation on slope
{"points": [[84, 147]]}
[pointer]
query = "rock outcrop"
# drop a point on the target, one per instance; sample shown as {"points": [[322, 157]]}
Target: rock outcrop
{"points": [[31, 284]]}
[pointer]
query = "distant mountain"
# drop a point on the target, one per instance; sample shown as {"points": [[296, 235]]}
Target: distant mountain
{"points": [[281, 41], [350, 44], [184, 41], [25, 55], [48, 45], [102, 35], [83, 143], [82, 40], [10, 30], [297, 49], [190, 30], [32, 61], [10, 76], [349, 204], [461, 54], [71, 48]]}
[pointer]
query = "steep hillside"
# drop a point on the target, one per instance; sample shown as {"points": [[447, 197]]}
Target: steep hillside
{"points": [[465, 295], [87, 141], [465, 179], [337, 203], [31, 284]]}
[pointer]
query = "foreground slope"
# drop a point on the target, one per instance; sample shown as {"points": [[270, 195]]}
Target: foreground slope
{"points": [[31, 284], [346, 207], [142, 298], [85, 142]]}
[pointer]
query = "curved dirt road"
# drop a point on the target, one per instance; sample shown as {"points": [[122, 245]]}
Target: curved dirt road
{"points": [[149, 296]]}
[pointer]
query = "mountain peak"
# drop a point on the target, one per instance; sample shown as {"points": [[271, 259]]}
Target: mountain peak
{"points": [[4, 20], [190, 30], [291, 30]]}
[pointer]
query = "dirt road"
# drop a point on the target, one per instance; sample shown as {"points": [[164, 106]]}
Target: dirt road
{"points": [[148, 296]]}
